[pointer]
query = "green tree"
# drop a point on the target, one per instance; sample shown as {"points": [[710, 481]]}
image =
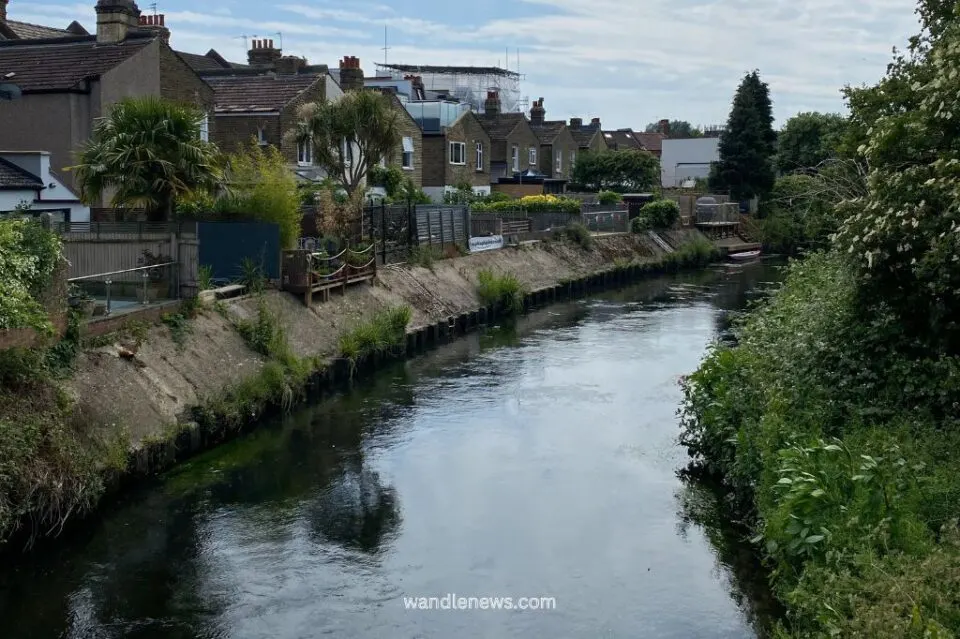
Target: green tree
{"points": [[622, 171], [809, 139], [747, 144], [147, 152], [678, 129], [349, 134]]}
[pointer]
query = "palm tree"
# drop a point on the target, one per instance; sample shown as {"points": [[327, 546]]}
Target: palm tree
{"points": [[349, 134], [147, 153]]}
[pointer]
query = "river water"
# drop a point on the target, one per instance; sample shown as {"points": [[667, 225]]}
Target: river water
{"points": [[533, 461]]}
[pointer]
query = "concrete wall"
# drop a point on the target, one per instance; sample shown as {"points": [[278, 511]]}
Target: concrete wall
{"points": [[686, 158]]}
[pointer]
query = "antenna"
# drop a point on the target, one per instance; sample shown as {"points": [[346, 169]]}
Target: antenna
{"points": [[280, 38], [153, 6], [246, 41], [385, 47]]}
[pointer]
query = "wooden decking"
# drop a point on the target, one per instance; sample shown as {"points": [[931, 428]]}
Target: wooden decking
{"points": [[719, 230], [309, 273]]}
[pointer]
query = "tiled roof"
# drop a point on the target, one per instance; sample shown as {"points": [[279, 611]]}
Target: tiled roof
{"points": [[549, 131], [650, 141], [61, 65], [12, 177], [209, 61], [622, 139], [27, 31], [498, 127], [583, 136], [258, 93]]}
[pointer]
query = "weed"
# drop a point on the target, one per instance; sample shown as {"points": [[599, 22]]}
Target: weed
{"points": [[425, 256], [504, 291], [253, 277], [383, 333], [579, 235], [205, 277], [179, 325]]}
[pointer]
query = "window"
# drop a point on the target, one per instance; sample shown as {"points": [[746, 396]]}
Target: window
{"points": [[205, 128], [516, 158], [407, 159], [480, 156], [573, 159], [532, 156], [261, 136], [346, 151], [305, 152], [458, 153], [559, 162]]}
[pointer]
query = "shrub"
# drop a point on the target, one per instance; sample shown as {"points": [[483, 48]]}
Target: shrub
{"points": [[29, 254], [660, 214], [388, 177], [504, 291], [530, 204], [384, 332], [579, 235], [698, 252], [425, 256], [609, 197]]}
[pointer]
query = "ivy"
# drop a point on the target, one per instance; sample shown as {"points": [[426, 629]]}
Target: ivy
{"points": [[29, 253]]}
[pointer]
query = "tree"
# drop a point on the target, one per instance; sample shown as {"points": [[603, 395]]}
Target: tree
{"points": [[678, 129], [624, 170], [747, 144], [349, 134], [809, 139], [148, 152]]}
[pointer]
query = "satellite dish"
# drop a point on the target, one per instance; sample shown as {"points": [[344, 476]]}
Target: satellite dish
{"points": [[10, 92]]}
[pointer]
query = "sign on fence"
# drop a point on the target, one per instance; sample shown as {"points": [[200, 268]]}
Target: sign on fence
{"points": [[488, 243]]}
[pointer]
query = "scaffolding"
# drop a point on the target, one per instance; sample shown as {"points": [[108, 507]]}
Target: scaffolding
{"points": [[466, 84]]}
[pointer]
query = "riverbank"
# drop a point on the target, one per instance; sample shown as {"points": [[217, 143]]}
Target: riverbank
{"points": [[161, 393]]}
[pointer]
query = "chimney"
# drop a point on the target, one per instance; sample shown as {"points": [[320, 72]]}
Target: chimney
{"points": [[537, 113], [491, 106], [3, 10], [290, 65], [262, 54], [157, 24], [576, 123], [664, 126], [115, 19], [595, 123], [351, 75]]}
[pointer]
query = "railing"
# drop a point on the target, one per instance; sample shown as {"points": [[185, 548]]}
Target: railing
{"points": [[97, 294], [607, 221], [325, 270], [718, 214]]}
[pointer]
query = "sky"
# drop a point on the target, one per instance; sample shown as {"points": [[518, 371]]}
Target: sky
{"points": [[628, 62]]}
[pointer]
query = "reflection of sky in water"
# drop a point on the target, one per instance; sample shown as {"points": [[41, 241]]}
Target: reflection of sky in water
{"points": [[538, 460]]}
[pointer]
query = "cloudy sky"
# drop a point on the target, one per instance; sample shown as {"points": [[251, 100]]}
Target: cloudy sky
{"points": [[628, 62]]}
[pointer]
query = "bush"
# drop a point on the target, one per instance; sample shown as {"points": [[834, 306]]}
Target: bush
{"points": [[660, 214], [609, 197], [29, 254], [698, 252], [385, 332], [579, 235], [530, 204], [504, 291], [390, 178]]}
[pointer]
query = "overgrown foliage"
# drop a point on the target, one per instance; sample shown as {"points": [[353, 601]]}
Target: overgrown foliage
{"points": [[609, 197], [383, 333], [578, 234], [29, 255], [746, 167], [505, 291], [390, 178], [659, 214], [809, 139], [678, 129], [624, 171], [147, 153], [529, 204]]}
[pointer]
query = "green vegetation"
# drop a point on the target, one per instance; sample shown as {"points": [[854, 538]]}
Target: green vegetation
{"points": [[506, 292], [425, 256], [578, 234], [678, 129], [747, 143], [390, 178], [609, 197], [382, 334], [624, 171], [696, 253], [834, 420], [29, 255], [807, 140], [800, 213], [528, 204], [205, 277], [659, 214], [147, 153]]}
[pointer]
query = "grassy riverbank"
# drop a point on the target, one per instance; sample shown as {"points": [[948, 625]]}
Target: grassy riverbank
{"points": [[838, 436]]}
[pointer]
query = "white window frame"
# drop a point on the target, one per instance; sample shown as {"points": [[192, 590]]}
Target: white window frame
{"points": [[559, 155], [305, 152], [516, 158], [532, 156], [462, 148], [406, 157], [205, 127], [480, 156], [262, 136], [573, 159]]}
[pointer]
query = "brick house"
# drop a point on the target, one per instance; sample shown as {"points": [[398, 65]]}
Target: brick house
{"points": [[558, 148], [262, 104], [458, 154], [408, 157], [589, 137], [621, 139], [69, 81], [652, 142], [515, 148]]}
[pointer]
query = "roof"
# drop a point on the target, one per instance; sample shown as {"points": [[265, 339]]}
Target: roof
{"points": [[650, 141], [27, 31], [209, 61], [622, 139], [258, 93], [428, 68], [583, 136], [63, 64], [498, 127], [549, 131], [12, 177]]}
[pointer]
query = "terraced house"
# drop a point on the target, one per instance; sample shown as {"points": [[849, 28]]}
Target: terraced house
{"points": [[515, 148], [457, 154], [69, 79], [589, 137], [558, 148]]}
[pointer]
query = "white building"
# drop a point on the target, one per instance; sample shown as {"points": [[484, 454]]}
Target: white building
{"points": [[687, 158], [26, 179]]}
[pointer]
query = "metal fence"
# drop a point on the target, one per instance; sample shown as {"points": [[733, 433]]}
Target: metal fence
{"points": [[101, 294], [716, 214], [607, 221]]}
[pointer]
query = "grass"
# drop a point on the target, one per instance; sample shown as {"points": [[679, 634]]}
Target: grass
{"points": [[383, 333], [579, 235], [205, 277], [698, 252], [425, 256], [503, 291]]}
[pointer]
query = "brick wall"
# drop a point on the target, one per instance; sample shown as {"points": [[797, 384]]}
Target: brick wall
{"points": [[567, 145], [408, 128], [288, 116], [467, 129], [434, 160], [179, 83], [236, 131], [518, 190]]}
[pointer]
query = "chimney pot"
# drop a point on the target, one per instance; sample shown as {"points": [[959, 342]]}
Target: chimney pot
{"points": [[115, 18], [3, 10]]}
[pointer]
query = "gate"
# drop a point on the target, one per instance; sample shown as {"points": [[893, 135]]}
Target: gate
{"points": [[224, 246]]}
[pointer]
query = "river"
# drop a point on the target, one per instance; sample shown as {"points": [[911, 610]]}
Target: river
{"points": [[534, 461]]}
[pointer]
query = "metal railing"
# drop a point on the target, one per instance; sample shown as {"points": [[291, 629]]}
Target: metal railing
{"points": [[144, 284], [716, 214], [607, 221]]}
